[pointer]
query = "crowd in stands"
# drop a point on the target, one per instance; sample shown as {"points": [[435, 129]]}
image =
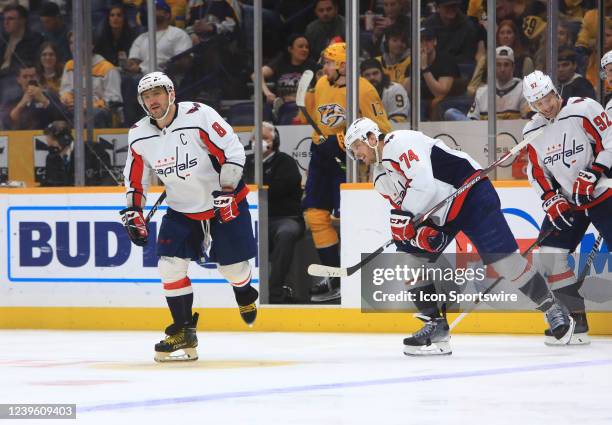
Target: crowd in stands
{"points": [[206, 46]]}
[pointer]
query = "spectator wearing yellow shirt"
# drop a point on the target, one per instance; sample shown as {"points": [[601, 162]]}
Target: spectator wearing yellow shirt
{"points": [[395, 59], [587, 37], [106, 85]]}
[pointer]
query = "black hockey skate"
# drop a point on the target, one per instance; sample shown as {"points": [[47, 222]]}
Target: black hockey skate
{"points": [[178, 338], [431, 340], [327, 289], [560, 322], [246, 304], [282, 295], [580, 335]]}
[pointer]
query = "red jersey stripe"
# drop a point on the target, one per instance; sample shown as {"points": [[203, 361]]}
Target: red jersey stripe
{"points": [[136, 173], [538, 172], [216, 151], [589, 128], [457, 204]]}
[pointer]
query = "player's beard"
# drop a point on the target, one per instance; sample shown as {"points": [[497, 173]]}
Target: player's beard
{"points": [[378, 85], [159, 113]]}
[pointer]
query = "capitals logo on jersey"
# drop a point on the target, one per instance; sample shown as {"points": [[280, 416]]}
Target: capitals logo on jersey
{"points": [[171, 165], [562, 152], [332, 115]]}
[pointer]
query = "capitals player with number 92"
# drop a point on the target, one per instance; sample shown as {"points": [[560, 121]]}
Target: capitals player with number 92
{"points": [[569, 168], [200, 160]]}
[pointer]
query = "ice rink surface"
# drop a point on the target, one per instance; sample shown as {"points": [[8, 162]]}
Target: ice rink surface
{"points": [[306, 378]]}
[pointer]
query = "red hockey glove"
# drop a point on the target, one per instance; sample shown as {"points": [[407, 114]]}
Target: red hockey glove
{"points": [[225, 206], [584, 186], [135, 225], [558, 210], [402, 228], [429, 239]]}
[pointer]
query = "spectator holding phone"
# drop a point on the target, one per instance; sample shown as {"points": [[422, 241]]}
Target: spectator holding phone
{"points": [[393, 13], [34, 107]]}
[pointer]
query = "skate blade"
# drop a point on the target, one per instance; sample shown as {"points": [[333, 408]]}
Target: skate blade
{"points": [[441, 348], [328, 296], [187, 355], [576, 339]]}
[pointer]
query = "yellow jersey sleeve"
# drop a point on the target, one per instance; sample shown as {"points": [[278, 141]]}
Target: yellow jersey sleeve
{"points": [[370, 105]]}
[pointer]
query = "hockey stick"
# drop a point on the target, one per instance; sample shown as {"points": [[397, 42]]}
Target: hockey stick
{"points": [[589, 260], [499, 279], [516, 149], [155, 207], [328, 271], [300, 101], [596, 284]]}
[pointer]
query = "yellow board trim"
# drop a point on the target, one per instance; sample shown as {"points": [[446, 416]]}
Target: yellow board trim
{"points": [[496, 183], [274, 319]]}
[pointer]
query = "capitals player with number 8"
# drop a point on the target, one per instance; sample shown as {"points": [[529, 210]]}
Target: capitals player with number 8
{"points": [[200, 159], [569, 167]]}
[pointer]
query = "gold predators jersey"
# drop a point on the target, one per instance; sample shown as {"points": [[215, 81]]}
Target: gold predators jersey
{"points": [[327, 107], [396, 72]]}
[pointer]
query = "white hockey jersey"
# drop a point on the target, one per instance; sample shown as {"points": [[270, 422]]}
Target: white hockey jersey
{"points": [[609, 107], [396, 103], [417, 172], [187, 156], [577, 137], [509, 101]]}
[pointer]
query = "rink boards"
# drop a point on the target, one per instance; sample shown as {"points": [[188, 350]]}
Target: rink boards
{"points": [[65, 262]]}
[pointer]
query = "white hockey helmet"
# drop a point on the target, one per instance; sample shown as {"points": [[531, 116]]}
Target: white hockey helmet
{"points": [[152, 80], [358, 131], [605, 60], [537, 85]]}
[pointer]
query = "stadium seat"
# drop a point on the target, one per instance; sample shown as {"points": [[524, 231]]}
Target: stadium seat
{"points": [[241, 114]]}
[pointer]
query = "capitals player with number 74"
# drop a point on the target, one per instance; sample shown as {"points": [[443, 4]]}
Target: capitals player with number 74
{"points": [[199, 158], [414, 173], [569, 167]]}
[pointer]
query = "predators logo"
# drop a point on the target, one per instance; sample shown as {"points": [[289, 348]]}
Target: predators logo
{"points": [[332, 115]]}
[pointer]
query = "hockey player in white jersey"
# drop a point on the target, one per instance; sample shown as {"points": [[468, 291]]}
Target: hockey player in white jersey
{"points": [[199, 158], [606, 74], [414, 172], [569, 166]]}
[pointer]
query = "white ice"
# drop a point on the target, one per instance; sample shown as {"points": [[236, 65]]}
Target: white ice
{"points": [[307, 378]]}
